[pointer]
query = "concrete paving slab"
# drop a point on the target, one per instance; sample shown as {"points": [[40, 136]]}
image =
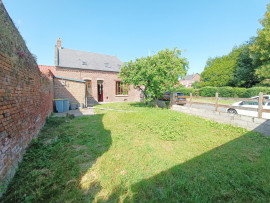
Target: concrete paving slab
{"points": [[76, 113]]}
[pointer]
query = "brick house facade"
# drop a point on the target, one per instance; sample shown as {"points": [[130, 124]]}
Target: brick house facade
{"points": [[88, 78], [189, 79]]}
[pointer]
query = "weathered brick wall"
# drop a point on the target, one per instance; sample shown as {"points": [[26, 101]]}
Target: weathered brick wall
{"points": [[67, 89], [25, 97], [109, 83], [25, 102]]}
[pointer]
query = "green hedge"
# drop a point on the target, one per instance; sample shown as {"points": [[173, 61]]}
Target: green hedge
{"points": [[185, 91], [254, 91], [208, 91], [240, 92], [224, 91]]}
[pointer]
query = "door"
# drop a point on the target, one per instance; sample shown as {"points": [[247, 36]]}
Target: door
{"points": [[89, 88], [249, 104], [100, 90]]}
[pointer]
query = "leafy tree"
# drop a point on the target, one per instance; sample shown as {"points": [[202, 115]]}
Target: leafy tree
{"points": [[196, 85], [260, 50], [219, 71], [156, 74], [244, 75]]}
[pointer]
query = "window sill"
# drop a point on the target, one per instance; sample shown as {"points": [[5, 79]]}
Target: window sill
{"points": [[122, 95]]}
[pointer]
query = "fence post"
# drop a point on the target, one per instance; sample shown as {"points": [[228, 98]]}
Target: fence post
{"points": [[190, 100], [172, 99], [216, 101], [260, 107]]}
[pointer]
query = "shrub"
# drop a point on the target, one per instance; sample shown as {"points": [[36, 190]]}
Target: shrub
{"points": [[226, 92], [208, 91], [239, 92], [184, 90], [254, 91], [196, 85], [223, 91]]}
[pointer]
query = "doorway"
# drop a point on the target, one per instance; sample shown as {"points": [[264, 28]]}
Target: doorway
{"points": [[89, 88], [100, 90]]}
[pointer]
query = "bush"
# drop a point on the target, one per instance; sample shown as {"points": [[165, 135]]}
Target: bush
{"points": [[226, 92], [254, 91], [239, 92], [208, 91], [184, 90], [232, 92], [223, 91], [196, 85]]}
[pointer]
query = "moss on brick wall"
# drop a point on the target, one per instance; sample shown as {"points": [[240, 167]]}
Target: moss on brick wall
{"points": [[25, 97]]}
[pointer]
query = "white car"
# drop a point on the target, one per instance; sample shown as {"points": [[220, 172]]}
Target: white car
{"points": [[264, 96], [249, 104]]}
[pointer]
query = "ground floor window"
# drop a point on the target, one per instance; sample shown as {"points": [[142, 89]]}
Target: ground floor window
{"points": [[121, 89]]}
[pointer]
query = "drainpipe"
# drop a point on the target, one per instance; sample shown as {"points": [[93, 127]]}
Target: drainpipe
{"points": [[85, 93]]}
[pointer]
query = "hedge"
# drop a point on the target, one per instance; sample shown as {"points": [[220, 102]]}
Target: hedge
{"points": [[254, 91], [208, 91], [224, 91], [185, 91]]}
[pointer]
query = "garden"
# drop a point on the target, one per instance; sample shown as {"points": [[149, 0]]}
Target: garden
{"points": [[142, 154]]}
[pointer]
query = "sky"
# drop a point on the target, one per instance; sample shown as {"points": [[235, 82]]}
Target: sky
{"points": [[132, 29]]}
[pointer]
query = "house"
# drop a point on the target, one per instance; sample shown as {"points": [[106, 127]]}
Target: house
{"points": [[189, 79], [88, 78]]}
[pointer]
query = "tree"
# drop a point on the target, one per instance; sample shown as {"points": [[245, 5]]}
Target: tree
{"points": [[156, 74], [196, 85], [260, 50], [219, 71], [244, 75]]}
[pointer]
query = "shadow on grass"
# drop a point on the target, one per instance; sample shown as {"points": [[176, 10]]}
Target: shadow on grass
{"points": [[237, 171], [149, 104], [54, 164]]}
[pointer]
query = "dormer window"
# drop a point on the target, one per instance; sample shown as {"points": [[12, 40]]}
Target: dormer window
{"points": [[107, 65], [84, 63], [118, 65]]}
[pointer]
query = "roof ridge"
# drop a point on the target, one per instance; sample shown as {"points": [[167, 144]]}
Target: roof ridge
{"points": [[90, 52]]}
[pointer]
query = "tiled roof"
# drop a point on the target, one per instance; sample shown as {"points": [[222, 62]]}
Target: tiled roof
{"points": [[188, 77], [70, 58], [70, 79], [45, 69]]}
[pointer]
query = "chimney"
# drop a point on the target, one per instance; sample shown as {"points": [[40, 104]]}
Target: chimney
{"points": [[58, 44]]}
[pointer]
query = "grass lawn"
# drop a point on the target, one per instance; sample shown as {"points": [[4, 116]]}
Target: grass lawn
{"points": [[150, 155]]}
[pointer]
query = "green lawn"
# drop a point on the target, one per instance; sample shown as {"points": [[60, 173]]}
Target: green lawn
{"points": [[150, 155]]}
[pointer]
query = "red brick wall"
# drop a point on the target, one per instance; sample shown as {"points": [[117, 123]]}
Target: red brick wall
{"points": [[196, 77], [188, 83], [25, 102], [109, 83]]}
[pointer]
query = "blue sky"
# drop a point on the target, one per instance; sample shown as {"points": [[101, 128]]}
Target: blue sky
{"points": [[131, 29]]}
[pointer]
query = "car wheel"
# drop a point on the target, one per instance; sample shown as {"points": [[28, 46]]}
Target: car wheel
{"points": [[233, 111]]}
